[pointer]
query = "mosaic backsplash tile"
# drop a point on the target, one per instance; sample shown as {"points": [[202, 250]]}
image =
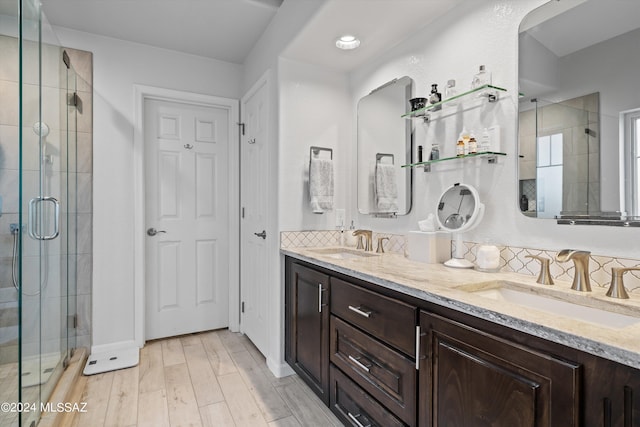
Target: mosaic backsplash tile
{"points": [[515, 259], [512, 258], [307, 239], [292, 239]]}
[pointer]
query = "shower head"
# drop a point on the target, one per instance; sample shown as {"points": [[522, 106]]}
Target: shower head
{"points": [[41, 129]]}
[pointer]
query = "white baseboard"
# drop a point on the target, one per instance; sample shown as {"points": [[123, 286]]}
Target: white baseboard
{"points": [[116, 346], [279, 369]]}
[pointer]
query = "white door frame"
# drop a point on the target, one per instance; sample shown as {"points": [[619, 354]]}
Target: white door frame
{"points": [[149, 92]]}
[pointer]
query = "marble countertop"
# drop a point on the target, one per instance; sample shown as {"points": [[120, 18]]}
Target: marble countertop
{"points": [[453, 288]]}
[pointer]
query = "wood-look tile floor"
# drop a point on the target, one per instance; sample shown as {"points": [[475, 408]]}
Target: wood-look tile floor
{"points": [[215, 378]]}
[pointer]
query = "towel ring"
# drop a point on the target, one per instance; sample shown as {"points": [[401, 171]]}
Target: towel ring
{"points": [[316, 151], [380, 156]]}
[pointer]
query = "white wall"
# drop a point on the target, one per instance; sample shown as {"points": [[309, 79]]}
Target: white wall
{"points": [[314, 111], [474, 33], [118, 65], [291, 17]]}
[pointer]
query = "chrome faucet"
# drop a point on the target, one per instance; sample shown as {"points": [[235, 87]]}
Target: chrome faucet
{"points": [[617, 290], [581, 262], [368, 236]]}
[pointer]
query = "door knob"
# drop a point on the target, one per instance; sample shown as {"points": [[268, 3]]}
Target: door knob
{"points": [[263, 234], [152, 231]]}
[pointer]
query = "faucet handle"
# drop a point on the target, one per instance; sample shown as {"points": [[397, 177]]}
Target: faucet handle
{"points": [[616, 289], [544, 278], [380, 248]]}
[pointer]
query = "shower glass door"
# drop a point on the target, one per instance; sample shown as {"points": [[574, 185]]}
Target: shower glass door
{"points": [[33, 270], [47, 211]]}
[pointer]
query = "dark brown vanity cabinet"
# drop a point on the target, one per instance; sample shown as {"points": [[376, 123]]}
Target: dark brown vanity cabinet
{"points": [[307, 324], [356, 348], [469, 377]]}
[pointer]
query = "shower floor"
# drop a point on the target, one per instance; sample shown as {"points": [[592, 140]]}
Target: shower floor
{"points": [[30, 379]]}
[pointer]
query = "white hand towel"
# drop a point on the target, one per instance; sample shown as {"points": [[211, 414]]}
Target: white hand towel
{"points": [[321, 185], [386, 188]]}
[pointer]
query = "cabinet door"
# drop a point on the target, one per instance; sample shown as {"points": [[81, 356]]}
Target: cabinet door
{"points": [[355, 407], [611, 394], [472, 378], [308, 327]]}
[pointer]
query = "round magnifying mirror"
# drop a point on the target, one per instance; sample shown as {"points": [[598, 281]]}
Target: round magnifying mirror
{"points": [[459, 210]]}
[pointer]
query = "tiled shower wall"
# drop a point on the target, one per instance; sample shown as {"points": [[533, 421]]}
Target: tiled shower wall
{"points": [[580, 157], [9, 180], [512, 258]]}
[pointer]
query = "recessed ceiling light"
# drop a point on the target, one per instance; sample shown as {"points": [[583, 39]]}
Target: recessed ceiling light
{"points": [[347, 42]]}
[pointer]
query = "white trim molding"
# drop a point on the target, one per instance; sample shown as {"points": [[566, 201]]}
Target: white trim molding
{"points": [[141, 93]]}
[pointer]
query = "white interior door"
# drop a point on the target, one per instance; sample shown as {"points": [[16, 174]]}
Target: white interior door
{"points": [[186, 215], [254, 271]]}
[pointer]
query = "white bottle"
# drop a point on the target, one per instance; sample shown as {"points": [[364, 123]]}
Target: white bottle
{"points": [[495, 138], [349, 239], [449, 92], [485, 141], [483, 77]]}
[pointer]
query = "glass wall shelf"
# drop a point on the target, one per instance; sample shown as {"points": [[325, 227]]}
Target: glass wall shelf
{"points": [[490, 156], [490, 92]]}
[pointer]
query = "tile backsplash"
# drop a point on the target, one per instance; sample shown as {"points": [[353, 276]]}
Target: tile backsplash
{"points": [[293, 239], [512, 258]]}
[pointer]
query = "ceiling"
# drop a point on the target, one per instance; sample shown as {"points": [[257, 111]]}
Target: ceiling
{"points": [[379, 24], [228, 29], [584, 24], [219, 29]]}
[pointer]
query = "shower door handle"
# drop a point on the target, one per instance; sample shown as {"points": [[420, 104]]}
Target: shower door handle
{"points": [[34, 231]]}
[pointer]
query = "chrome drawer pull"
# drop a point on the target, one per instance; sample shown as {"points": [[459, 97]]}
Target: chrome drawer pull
{"points": [[354, 418], [359, 363], [360, 311]]}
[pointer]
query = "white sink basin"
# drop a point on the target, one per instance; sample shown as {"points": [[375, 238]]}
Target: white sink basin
{"points": [[343, 253], [504, 291]]}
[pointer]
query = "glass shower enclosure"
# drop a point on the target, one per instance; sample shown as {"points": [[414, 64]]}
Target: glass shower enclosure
{"points": [[38, 229]]}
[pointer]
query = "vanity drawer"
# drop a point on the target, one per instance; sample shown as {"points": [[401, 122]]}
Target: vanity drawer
{"points": [[386, 374], [354, 406], [387, 319]]}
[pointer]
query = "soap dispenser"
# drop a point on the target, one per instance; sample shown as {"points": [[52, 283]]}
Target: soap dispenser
{"points": [[350, 240]]}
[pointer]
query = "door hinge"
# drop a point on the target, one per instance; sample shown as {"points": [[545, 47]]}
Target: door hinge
{"points": [[72, 321], [241, 127], [66, 59], [243, 212], [242, 308], [73, 99]]}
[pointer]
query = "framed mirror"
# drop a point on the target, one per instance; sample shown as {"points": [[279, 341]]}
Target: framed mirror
{"points": [[384, 145], [579, 112]]}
